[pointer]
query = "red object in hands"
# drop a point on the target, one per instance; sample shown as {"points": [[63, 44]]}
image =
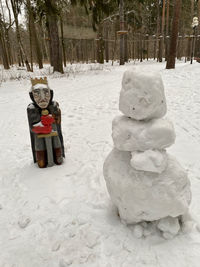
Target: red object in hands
{"points": [[47, 120], [45, 128], [42, 129]]}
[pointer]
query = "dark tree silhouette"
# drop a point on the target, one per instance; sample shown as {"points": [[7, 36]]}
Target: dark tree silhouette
{"points": [[174, 36]]}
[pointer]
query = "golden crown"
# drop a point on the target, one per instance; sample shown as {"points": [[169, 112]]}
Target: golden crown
{"points": [[39, 80]]}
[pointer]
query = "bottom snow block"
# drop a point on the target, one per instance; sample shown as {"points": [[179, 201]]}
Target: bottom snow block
{"points": [[146, 196]]}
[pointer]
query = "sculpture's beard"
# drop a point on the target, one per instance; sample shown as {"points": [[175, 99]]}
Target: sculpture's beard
{"points": [[43, 104]]}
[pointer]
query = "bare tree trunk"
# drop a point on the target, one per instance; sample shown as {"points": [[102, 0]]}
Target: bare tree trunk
{"points": [[4, 28], [37, 49], [138, 48], [20, 46], [50, 48], [162, 33], [147, 41], [189, 45], [141, 48], [193, 32], [3, 46], [34, 35], [167, 18], [133, 46], [44, 41], [31, 43], [93, 51], [55, 50], [71, 52], [21, 58], [121, 14], [125, 47], [173, 42], [3, 49], [192, 9], [18, 42], [86, 50], [154, 48], [52, 24], [157, 29], [107, 43], [167, 31], [115, 44], [62, 41], [126, 56], [100, 44], [9, 51], [178, 49], [7, 39], [198, 10]]}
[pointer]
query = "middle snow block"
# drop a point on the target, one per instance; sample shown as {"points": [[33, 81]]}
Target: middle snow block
{"points": [[132, 135]]}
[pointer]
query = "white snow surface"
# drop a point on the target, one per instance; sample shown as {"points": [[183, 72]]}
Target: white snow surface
{"points": [[63, 216], [143, 195], [132, 135], [149, 160], [142, 95]]}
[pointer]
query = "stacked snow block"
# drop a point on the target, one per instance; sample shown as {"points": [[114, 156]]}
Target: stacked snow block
{"points": [[143, 180]]}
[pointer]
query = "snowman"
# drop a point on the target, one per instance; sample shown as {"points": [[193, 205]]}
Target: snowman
{"points": [[148, 186]]}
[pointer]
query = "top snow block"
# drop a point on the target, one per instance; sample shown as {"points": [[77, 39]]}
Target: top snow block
{"points": [[142, 96]]}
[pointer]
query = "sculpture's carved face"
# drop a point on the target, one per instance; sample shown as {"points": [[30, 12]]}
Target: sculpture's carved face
{"points": [[41, 95]]}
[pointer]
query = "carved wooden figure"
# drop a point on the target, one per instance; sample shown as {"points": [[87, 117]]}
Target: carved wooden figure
{"points": [[44, 118]]}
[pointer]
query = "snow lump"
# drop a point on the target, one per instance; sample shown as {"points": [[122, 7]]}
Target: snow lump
{"points": [[142, 95]]}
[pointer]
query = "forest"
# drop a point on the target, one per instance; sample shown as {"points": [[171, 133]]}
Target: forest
{"points": [[58, 32]]}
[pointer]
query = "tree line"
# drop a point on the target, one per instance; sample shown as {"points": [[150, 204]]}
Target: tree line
{"points": [[41, 38]]}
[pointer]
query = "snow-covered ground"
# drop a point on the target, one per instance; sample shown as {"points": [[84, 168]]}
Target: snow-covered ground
{"points": [[63, 216]]}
